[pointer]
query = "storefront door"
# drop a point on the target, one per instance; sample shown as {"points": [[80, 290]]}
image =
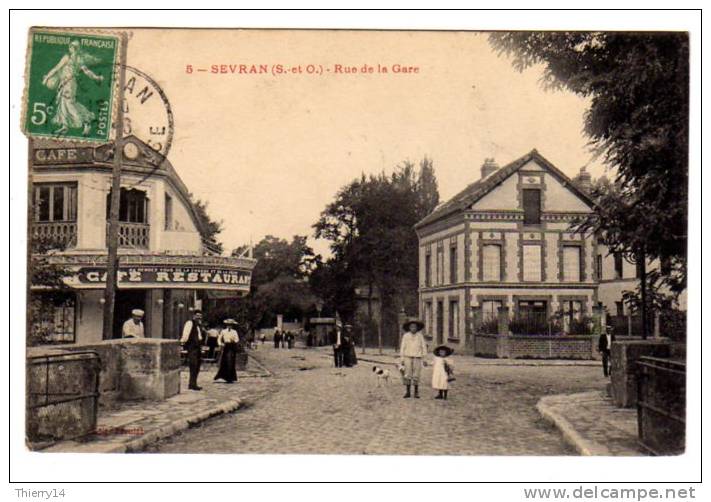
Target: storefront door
{"points": [[126, 301]]}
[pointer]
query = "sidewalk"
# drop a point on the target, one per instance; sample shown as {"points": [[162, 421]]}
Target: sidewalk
{"points": [[134, 425], [591, 424]]}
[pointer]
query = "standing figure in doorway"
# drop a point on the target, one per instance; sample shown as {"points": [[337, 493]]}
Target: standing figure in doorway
{"points": [[192, 340], [133, 327], [412, 351]]}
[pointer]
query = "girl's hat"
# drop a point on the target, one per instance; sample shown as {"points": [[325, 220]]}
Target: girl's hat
{"points": [[443, 351], [419, 323], [229, 321]]}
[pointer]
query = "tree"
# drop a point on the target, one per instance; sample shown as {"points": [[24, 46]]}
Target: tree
{"points": [[279, 280], [209, 228], [638, 86], [370, 226], [47, 287]]}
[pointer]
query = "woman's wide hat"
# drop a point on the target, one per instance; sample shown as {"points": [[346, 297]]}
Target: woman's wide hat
{"points": [[229, 321], [443, 351], [418, 322]]}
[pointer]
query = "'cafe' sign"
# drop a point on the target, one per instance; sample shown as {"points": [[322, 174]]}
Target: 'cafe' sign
{"points": [[169, 277]]}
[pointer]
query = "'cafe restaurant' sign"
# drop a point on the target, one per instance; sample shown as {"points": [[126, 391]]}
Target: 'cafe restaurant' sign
{"points": [[168, 277]]}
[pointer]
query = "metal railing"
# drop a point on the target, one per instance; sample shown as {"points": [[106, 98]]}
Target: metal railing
{"points": [[661, 405], [132, 235], [62, 396], [61, 232], [40, 391]]}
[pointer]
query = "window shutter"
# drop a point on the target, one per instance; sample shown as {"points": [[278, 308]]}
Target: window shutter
{"points": [[491, 262], [532, 262], [571, 263]]}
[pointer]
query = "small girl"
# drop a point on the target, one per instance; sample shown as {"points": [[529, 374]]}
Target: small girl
{"points": [[442, 371]]}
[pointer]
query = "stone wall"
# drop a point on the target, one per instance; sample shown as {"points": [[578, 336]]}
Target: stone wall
{"points": [[535, 346], [134, 369]]}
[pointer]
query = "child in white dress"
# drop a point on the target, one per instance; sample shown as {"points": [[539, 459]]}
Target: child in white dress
{"points": [[442, 371]]}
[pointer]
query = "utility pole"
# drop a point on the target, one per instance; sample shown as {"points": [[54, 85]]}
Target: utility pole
{"points": [[112, 257]]}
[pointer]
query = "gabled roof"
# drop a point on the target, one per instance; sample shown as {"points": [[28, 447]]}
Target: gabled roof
{"points": [[475, 191]]}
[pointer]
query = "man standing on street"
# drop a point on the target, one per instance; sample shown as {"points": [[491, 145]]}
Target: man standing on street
{"points": [[604, 345], [133, 327], [412, 351], [192, 340]]}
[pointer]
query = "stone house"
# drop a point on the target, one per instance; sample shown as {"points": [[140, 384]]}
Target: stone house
{"points": [[504, 242]]}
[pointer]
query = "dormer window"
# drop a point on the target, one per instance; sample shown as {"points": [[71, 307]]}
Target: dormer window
{"points": [[531, 206]]}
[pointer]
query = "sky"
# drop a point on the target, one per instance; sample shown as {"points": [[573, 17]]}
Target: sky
{"points": [[269, 151]]}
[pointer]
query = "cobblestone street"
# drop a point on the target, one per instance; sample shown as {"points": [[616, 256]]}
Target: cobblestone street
{"points": [[308, 406]]}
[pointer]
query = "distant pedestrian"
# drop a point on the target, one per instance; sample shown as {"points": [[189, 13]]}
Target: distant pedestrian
{"points": [[262, 337], [337, 348], [442, 371], [192, 339], [228, 340], [348, 347], [277, 339], [133, 327], [604, 345], [289, 339], [412, 351]]}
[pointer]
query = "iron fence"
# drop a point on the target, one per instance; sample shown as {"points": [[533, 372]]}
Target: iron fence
{"points": [[661, 405], [62, 394]]}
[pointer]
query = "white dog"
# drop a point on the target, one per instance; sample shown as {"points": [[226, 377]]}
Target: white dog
{"points": [[382, 375]]}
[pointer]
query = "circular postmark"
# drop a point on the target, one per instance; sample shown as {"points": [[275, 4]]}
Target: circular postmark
{"points": [[147, 114]]}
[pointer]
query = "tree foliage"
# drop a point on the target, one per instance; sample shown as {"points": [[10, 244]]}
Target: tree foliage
{"points": [[47, 287], [279, 281], [370, 228], [209, 228], [638, 87]]}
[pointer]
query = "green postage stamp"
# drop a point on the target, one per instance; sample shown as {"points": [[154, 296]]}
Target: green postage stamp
{"points": [[70, 85]]}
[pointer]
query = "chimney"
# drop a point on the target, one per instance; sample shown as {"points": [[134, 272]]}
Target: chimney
{"points": [[584, 180], [488, 167]]}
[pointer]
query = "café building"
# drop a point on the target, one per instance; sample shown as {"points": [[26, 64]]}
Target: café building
{"points": [[165, 267]]}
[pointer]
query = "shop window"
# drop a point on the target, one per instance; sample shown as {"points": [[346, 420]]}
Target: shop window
{"points": [[490, 309], [56, 320]]}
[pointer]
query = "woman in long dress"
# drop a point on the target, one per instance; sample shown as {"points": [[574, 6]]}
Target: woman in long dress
{"points": [[70, 113], [228, 342]]}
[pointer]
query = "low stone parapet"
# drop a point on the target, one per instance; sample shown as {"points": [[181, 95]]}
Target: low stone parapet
{"points": [[624, 357], [136, 368], [535, 346]]}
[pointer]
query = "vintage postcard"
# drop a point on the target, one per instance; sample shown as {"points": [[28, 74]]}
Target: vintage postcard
{"points": [[356, 242]]}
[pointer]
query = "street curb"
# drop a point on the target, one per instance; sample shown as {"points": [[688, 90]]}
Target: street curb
{"points": [[140, 443], [546, 408], [173, 428]]}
